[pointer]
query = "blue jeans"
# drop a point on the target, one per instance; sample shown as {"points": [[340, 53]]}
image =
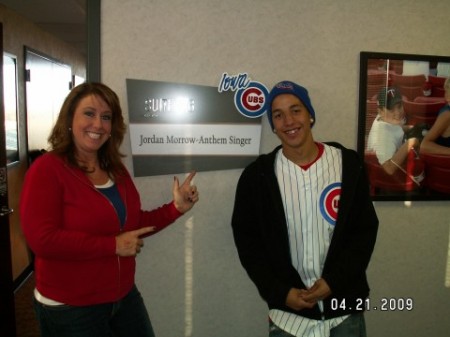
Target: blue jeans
{"points": [[353, 326], [127, 317]]}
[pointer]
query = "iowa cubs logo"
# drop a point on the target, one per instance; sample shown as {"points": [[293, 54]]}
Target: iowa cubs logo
{"points": [[250, 101], [250, 96], [329, 202]]}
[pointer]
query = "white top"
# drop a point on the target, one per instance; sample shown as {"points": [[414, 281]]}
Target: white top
{"points": [[311, 199], [384, 139]]}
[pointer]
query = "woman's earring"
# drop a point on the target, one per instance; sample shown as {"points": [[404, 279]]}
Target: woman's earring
{"points": [[274, 130], [311, 120]]}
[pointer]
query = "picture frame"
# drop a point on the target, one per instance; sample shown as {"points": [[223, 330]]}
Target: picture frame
{"points": [[415, 84]]}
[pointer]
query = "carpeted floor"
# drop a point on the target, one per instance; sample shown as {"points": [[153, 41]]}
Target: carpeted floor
{"points": [[26, 323]]}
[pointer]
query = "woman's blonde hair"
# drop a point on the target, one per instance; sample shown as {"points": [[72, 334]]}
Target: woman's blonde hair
{"points": [[61, 140]]}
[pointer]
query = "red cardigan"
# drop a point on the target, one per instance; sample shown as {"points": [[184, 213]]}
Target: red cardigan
{"points": [[71, 228]]}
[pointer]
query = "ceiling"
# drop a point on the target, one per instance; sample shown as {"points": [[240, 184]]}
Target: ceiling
{"points": [[66, 19]]}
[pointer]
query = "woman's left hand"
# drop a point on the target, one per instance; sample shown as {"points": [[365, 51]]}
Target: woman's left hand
{"points": [[186, 195]]}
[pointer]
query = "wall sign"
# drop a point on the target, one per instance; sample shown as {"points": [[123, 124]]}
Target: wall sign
{"points": [[176, 128]]}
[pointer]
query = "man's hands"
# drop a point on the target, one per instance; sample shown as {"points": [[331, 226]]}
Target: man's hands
{"points": [[130, 243], [295, 299], [299, 299]]}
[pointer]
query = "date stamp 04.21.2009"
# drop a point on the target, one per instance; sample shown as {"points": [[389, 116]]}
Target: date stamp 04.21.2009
{"points": [[366, 304]]}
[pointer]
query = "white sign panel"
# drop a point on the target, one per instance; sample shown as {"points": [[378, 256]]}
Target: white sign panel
{"points": [[195, 139]]}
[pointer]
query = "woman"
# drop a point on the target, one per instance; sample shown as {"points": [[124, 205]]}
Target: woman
{"points": [[437, 139], [82, 218]]}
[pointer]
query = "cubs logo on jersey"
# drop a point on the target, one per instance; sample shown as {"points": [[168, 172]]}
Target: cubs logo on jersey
{"points": [[329, 202]]}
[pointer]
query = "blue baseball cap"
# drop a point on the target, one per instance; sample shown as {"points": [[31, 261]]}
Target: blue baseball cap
{"points": [[288, 87]]}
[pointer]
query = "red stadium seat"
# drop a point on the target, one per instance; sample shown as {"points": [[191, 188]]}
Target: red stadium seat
{"points": [[408, 80], [380, 180], [437, 172], [375, 64], [373, 90], [436, 81], [411, 93], [396, 66], [438, 92], [437, 85], [421, 112], [430, 99], [377, 77]]}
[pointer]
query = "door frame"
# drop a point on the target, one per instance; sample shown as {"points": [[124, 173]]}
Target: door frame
{"points": [[7, 305], [7, 286]]}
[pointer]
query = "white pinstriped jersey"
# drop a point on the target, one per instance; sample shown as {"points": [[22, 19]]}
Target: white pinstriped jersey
{"points": [[311, 199]]}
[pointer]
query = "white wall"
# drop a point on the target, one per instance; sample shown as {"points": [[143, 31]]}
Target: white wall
{"points": [[189, 274]]}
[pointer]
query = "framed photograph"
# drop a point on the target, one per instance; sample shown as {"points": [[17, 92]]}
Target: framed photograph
{"points": [[400, 98]]}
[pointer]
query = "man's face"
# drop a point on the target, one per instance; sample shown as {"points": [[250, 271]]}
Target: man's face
{"points": [[291, 120], [395, 115]]}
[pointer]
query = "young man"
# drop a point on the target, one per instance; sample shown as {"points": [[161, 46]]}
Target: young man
{"points": [[304, 225], [387, 134]]}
